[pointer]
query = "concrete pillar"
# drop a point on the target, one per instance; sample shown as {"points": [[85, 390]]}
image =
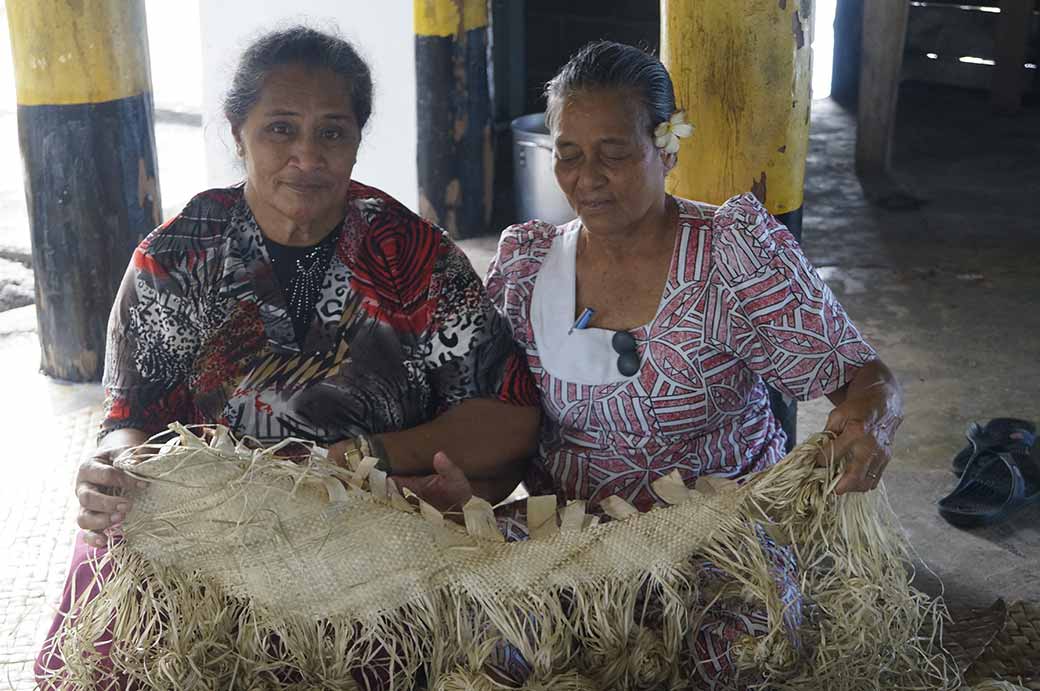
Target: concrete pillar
{"points": [[88, 145], [884, 35], [744, 77], [455, 154]]}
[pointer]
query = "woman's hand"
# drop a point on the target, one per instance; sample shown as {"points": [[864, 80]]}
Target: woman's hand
{"points": [[867, 413], [447, 489], [99, 484]]}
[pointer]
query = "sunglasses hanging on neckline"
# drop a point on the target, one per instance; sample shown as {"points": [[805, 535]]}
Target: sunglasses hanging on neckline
{"points": [[624, 345]]}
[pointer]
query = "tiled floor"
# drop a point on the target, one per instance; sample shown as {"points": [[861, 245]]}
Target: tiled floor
{"points": [[47, 427]]}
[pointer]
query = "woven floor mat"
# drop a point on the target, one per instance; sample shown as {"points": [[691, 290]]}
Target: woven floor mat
{"points": [[970, 632], [1012, 653]]}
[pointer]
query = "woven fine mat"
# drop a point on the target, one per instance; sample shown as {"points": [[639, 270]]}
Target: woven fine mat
{"points": [[970, 631], [1014, 653]]}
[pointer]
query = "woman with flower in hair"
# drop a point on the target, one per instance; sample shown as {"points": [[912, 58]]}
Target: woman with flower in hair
{"points": [[652, 325]]}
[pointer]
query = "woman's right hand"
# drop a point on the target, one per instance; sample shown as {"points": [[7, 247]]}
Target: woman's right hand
{"points": [[447, 489], [99, 486]]}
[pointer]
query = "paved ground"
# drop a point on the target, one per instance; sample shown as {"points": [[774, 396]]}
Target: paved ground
{"points": [[946, 293], [47, 427]]}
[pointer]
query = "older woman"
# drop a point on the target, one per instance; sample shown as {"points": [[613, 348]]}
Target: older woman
{"points": [[304, 303], [652, 324]]}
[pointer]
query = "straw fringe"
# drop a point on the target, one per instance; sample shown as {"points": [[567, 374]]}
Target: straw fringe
{"points": [[243, 570]]}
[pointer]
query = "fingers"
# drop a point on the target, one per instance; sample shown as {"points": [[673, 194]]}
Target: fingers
{"points": [[825, 454], [99, 511], [446, 468], [867, 462], [453, 478], [837, 420], [878, 469], [856, 477], [98, 471], [867, 449], [446, 489], [90, 499], [97, 521], [96, 538], [839, 447], [99, 487]]}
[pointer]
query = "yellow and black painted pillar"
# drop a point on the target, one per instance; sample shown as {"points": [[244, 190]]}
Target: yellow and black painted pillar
{"points": [[455, 156], [744, 77], [85, 120]]}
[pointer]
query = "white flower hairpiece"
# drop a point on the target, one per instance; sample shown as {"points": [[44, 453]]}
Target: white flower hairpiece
{"points": [[669, 132]]}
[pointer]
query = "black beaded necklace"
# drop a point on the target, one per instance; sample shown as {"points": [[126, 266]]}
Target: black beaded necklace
{"points": [[300, 272]]}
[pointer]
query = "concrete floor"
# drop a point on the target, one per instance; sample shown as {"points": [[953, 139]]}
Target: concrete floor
{"points": [[948, 295]]}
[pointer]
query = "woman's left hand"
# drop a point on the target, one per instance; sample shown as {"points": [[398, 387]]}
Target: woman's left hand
{"points": [[865, 420]]}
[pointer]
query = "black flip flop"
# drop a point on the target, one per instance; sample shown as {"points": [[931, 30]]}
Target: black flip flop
{"points": [[996, 435], [995, 484]]}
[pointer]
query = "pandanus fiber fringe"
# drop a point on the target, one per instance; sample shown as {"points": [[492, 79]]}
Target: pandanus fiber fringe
{"points": [[241, 569]]}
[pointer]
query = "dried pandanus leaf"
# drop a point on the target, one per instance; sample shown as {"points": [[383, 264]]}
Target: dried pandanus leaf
{"points": [[244, 569]]}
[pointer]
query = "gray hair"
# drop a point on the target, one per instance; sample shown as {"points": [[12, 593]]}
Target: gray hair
{"points": [[610, 65], [298, 45]]}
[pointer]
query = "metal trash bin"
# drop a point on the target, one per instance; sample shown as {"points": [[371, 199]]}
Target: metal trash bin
{"points": [[537, 194]]}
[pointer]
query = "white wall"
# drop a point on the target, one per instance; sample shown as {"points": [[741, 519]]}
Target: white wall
{"points": [[384, 35], [176, 55]]}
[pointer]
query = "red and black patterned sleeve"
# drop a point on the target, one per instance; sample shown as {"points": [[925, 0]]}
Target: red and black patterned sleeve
{"points": [[772, 308], [152, 338], [470, 347]]}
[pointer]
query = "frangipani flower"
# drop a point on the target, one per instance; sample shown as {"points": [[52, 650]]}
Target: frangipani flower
{"points": [[668, 133]]}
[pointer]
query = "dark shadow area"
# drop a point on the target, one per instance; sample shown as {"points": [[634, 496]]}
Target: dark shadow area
{"points": [[947, 293]]}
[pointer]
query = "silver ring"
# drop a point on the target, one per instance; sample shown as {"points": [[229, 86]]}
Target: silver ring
{"points": [[873, 476]]}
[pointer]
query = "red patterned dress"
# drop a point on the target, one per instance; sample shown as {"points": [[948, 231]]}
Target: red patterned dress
{"points": [[200, 333], [742, 307], [402, 329]]}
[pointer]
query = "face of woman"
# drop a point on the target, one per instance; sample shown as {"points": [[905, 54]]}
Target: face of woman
{"points": [[606, 162], [299, 143]]}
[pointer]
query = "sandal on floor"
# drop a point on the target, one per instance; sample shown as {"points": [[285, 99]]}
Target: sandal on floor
{"points": [[997, 434], [995, 484]]}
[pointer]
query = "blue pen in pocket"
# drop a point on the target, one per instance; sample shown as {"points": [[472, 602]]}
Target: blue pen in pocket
{"points": [[583, 320]]}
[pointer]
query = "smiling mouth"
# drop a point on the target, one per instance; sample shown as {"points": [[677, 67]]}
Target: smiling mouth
{"points": [[305, 186], [593, 205]]}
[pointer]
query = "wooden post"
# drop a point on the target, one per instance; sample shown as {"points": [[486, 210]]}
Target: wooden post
{"points": [[1012, 39], [455, 154], [848, 37], [88, 145], [744, 77], [884, 35]]}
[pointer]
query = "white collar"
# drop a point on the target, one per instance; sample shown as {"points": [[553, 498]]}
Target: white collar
{"points": [[584, 356]]}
